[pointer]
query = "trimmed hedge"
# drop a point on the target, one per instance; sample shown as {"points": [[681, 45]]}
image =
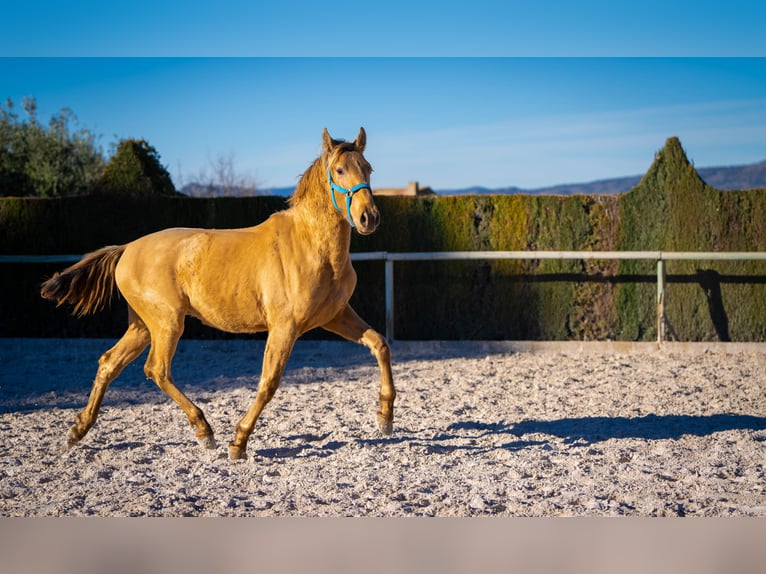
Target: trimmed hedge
{"points": [[671, 209]]}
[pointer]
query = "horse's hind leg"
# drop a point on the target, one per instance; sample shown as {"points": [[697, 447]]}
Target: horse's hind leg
{"points": [[110, 365], [349, 325], [164, 341]]}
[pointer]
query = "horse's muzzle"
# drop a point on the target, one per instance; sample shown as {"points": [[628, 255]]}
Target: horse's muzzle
{"points": [[368, 220]]}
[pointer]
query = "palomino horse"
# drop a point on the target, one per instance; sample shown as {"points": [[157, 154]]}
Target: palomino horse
{"points": [[288, 275]]}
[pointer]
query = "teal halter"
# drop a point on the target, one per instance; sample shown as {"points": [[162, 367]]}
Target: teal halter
{"points": [[349, 193]]}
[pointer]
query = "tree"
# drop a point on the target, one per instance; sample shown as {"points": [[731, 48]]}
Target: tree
{"points": [[224, 181], [47, 161], [13, 180], [135, 170]]}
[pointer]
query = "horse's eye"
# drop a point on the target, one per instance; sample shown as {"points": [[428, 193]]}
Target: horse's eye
{"points": [[339, 170]]}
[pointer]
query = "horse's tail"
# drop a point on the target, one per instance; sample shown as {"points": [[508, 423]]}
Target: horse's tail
{"points": [[89, 284]]}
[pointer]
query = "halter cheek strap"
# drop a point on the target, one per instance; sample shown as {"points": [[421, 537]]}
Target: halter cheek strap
{"points": [[349, 193]]}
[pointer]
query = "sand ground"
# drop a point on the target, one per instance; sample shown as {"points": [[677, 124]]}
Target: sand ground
{"points": [[480, 429]]}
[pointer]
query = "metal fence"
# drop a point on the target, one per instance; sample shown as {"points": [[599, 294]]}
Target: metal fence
{"points": [[660, 257]]}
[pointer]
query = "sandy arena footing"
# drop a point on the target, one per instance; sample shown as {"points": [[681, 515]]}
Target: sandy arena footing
{"points": [[482, 428]]}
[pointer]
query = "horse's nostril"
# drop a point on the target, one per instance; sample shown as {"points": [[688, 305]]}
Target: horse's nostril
{"points": [[363, 220]]}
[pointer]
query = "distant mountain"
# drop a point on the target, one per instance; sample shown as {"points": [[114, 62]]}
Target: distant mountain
{"points": [[750, 176]]}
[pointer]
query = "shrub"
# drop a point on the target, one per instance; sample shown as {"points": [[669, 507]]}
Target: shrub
{"points": [[135, 171]]}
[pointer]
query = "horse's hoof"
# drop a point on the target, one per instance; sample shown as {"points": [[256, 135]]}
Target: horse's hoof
{"points": [[207, 442], [237, 453], [386, 427], [72, 438]]}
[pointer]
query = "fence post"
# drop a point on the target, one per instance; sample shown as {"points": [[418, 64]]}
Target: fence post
{"points": [[660, 300], [389, 270]]}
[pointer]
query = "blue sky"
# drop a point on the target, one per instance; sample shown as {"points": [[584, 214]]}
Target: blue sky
{"points": [[451, 95]]}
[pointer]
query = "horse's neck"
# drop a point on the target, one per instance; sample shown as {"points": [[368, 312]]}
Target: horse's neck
{"points": [[330, 235]]}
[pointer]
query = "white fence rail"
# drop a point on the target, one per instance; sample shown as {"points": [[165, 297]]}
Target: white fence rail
{"points": [[389, 258], [659, 256]]}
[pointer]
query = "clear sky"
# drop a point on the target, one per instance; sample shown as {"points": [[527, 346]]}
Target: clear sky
{"points": [[482, 93]]}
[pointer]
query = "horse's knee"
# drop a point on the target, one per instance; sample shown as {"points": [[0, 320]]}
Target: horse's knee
{"points": [[374, 340], [384, 350], [378, 344]]}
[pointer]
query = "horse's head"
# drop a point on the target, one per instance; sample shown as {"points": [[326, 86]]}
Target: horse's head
{"points": [[348, 181]]}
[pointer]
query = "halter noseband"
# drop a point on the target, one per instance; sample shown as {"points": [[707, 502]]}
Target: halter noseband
{"points": [[349, 193]]}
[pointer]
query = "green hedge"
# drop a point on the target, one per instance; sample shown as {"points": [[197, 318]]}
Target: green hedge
{"points": [[671, 209], [81, 224]]}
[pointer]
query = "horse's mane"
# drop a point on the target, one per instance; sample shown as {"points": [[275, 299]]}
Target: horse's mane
{"points": [[315, 177]]}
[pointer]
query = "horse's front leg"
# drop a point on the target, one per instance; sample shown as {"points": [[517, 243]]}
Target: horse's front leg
{"points": [[279, 345], [349, 325]]}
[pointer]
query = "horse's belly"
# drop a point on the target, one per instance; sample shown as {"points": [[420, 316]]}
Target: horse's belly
{"points": [[248, 315], [232, 318]]}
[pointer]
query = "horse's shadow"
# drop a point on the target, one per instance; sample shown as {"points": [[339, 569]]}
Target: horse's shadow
{"points": [[307, 445], [580, 431]]}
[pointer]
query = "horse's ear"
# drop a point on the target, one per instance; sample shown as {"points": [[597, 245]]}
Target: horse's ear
{"points": [[327, 143], [361, 139]]}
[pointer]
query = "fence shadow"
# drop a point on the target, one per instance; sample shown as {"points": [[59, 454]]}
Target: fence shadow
{"points": [[582, 431], [591, 430]]}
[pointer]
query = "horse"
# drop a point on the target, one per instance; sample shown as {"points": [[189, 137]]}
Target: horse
{"points": [[287, 275]]}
